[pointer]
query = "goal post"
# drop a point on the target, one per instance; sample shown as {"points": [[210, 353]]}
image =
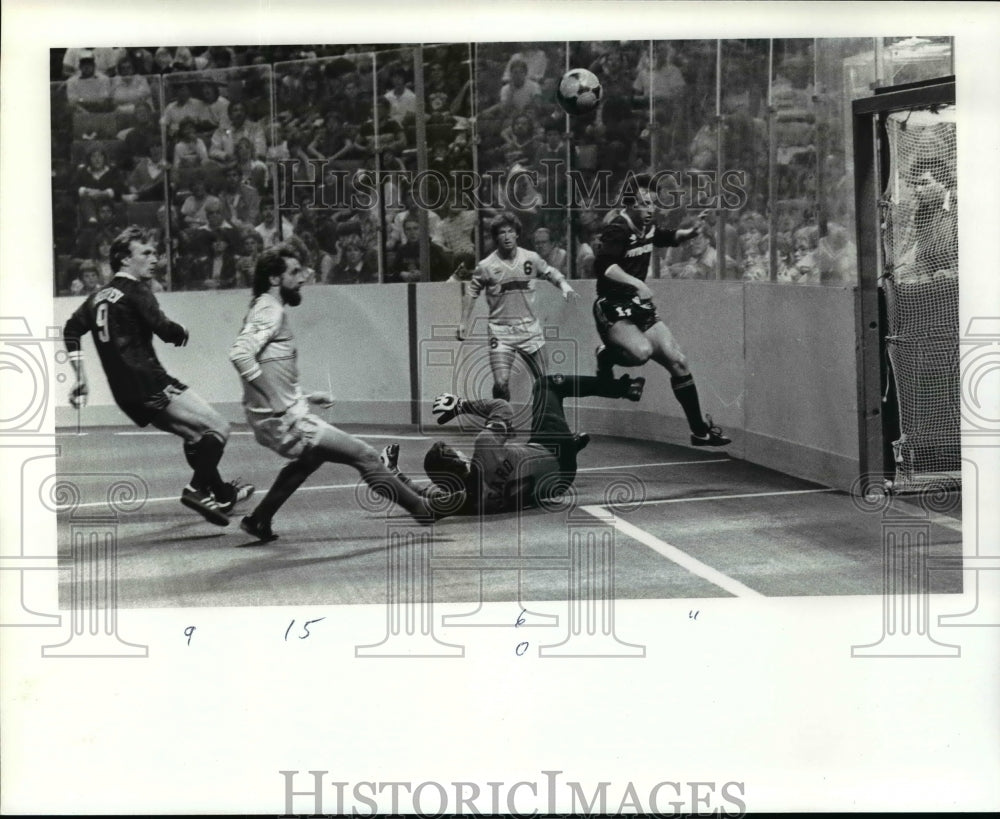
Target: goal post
{"points": [[906, 203]]}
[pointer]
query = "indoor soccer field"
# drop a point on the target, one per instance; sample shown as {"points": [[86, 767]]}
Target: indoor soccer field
{"points": [[822, 339], [710, 526]]}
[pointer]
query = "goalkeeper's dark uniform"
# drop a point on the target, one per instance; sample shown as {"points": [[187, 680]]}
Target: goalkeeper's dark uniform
{"points": [[507, 475]]}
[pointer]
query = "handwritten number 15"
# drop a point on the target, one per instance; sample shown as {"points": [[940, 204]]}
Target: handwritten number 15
{"points": [[305, 628]]}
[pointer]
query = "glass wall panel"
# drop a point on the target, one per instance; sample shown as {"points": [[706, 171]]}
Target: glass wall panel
{"points": [[226, 152], [521, 142], [449, 169], [216, 129], [683, 138], [845, 71], [746, 149], [793, 219], [108, 168], [324, 137]]}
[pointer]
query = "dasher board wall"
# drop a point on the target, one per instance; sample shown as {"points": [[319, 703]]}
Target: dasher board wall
{"points": [[775, 366]]}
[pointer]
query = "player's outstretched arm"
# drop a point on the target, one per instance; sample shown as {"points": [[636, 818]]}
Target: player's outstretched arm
{"points": [[560, 281]]}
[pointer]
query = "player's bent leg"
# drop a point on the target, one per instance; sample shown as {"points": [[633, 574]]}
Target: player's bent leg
{"points": [[665, 350], [535, 359], [339, 447], [501, 361], [205, 433], [190, 416], [667, 353], [627, 345], [289, 479]]}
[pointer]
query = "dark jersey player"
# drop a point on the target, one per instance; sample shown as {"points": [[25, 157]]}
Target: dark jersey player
{"points": [[122, 318], [626, 316], [504, 475]]}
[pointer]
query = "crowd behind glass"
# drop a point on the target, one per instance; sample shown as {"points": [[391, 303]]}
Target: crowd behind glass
{"points": [[203, 148]]}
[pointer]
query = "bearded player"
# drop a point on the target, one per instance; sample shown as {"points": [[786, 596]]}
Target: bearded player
{"points": [[265, 356], [122, 318], [508, 276], [624, 312]]}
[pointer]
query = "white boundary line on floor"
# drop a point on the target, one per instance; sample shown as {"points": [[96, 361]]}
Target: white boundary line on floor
{"points": [[735, 497], [673, 554], [419, 480], [248, 432], [661, 463]]}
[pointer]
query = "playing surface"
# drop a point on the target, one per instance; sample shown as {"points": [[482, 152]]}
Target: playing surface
{"points": [[709, 526]]}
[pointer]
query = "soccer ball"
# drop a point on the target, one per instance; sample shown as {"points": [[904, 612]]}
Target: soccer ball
{"points": [[579, 91]]}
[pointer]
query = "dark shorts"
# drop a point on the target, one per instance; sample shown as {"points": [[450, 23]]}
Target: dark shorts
{"points": [[609, 310], [143, 413]]}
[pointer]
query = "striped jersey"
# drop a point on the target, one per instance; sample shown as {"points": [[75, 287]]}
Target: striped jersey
{"points": [[122, 318], [265, 349], [510, 284], [629, 247]]}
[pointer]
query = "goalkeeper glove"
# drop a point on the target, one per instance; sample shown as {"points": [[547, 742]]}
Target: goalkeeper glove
{"points": [[446, 406]]}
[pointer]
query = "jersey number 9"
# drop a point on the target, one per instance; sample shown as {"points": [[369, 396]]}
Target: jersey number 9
{"points": [[101, 317]]}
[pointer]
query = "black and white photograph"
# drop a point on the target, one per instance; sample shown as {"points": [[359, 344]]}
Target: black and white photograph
{"points": [[445, 409]]}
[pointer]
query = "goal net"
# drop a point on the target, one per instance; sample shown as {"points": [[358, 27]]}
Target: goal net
{"points": [[920, 283]]}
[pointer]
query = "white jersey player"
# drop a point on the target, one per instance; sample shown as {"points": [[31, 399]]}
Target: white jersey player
{"points": [[278, 411], [508, 277]]}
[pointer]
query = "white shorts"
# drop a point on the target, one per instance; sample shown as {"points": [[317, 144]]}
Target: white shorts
{"points": [[525, 336], [290, 435]]}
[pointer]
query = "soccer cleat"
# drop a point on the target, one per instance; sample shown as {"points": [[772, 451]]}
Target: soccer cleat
{"points": [[713, 437], [389, 456], [258, 529], [239, 492], [605, 369], [632, 387], [205, 504], [580, 441]]}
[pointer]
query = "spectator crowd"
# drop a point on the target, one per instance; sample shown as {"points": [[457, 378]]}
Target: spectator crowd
{"points": [[209, 149]]}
